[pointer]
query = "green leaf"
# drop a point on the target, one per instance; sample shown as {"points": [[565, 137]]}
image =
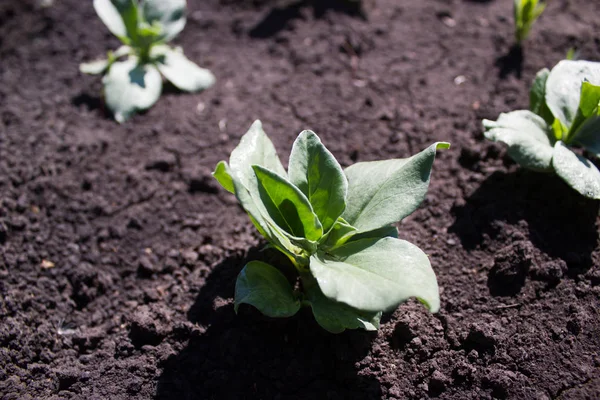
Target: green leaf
{"points": [[249, 198], [379, 233], [120, 17], [376, 274], [223, 176], [588, 135], [340, 233], [527, 137], [381, 193], [316, 172], [180, 71], [129, 87], [579, 172], [266, 288], [588, 108], [255, 148], [100, 66], [333, 316], [169, 13], [287, 205], [537, 96], [590, 99], [563, 87], [94, 67]]}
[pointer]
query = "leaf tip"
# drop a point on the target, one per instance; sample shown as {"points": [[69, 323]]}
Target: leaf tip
{"points": [[442, 145]]}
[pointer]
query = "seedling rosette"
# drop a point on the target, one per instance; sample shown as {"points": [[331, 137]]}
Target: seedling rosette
{"points": [[144, 27], [564, 113], [336, 227]]}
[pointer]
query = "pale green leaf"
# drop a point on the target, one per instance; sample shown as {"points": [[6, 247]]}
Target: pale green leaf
{"points": [[94, 67], [376, 274], [169, 13], [223, 176], [527, 137], [180, 71], [316, 172], [579, 172], [255, 148], [381, 193], [537, 96], [266, 288], [287, 205], [563, 87], [120, 17], [336, 317], [130, 87]]}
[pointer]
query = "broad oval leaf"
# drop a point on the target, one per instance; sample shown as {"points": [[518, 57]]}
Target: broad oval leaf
{"points": [[110, 16], [180, 71], [537, 96], [376, 274], [579, 172], [287, 205], [381, 193], [316, 172], [120, 17], [130, 87], [527, 136], [563, 87], [336, 317], [255, 148], [169, 13], [263, 286]]}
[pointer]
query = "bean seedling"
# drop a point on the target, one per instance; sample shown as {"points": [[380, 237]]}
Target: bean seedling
{"points": [[144, 27], [564, 112], [526, 12], [336, 227]]}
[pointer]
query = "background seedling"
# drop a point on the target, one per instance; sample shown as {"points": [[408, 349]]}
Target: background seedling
{"points": [[144, 27], [564, 112], [526, 12], [336, 227]]}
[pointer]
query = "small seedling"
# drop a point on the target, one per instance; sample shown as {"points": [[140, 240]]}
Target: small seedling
{"points": [[564, 112], [526, 12], [144, 27], [336, 227]]}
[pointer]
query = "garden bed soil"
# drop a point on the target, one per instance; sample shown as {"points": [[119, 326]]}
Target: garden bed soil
{"points": [[119, 252]]}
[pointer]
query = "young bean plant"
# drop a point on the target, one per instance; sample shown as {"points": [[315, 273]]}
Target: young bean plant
{"points": [[144, 27], [336, 227], [526, 12], [564, 113]]}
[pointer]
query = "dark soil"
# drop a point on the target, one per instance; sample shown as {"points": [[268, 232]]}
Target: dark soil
{"points": [[118, 252]]}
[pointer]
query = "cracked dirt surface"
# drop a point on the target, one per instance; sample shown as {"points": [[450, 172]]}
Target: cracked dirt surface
{"points": [[118, 252]]}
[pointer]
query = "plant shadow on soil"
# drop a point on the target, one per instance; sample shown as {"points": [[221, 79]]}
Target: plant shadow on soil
{"points": [[529, 209], [511, 62], [248, 355], [280, 16]]}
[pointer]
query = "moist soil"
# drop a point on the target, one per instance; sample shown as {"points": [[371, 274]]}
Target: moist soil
{"points": [[119, 252]]}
